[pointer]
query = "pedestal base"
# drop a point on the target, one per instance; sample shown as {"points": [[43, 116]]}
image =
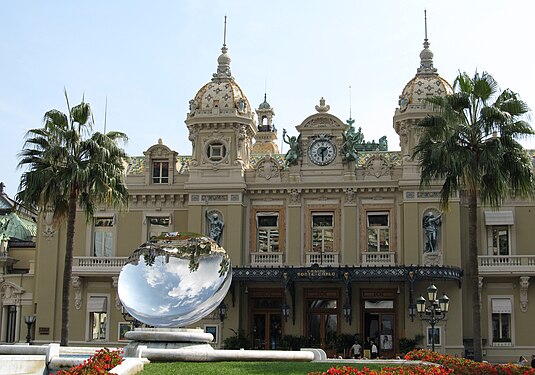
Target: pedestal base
{"points": [[168, 338]]}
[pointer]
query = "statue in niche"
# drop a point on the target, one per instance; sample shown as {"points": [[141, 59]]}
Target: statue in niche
{"points": [[294, 153], [431, 225], [215, 226]]}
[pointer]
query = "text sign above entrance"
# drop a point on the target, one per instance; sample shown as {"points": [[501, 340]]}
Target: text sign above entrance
{"points": [[317, 274]]}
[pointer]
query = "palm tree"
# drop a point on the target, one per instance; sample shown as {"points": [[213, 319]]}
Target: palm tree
{"points": [[69, 166], [470, 143]]}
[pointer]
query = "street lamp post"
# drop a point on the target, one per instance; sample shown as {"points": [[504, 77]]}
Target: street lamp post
{"points": [[30, 321], [432, 311]]}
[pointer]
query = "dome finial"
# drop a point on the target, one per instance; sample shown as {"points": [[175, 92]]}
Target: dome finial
{"points": [[225, 33], [426, 56], [223, 61], [425, 23]]}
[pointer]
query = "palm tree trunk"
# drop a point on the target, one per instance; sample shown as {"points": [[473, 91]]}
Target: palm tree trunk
{"points": [[474, 274], [67, 272]]}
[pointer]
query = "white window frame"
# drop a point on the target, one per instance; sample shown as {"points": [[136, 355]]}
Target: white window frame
{"points": [[268, 230], [159, 179], [91, 230], [511, 322], [495, 250], [323, 228], [217, 338], [428, 336], [89, 311], [378, 229]]}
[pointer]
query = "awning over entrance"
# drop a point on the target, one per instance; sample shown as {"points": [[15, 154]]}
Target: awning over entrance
{"points": [[316, 273]]}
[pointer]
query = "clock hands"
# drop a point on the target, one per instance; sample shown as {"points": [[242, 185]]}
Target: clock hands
{"points": [[322, 151]]}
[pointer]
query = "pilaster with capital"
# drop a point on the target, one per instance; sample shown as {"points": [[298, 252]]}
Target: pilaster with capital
{"points": [[480, 286]]}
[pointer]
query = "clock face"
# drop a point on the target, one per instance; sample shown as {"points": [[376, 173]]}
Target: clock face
{"points": [[322, 151]]}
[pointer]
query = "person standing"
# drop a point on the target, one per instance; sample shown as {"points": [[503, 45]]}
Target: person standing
{"points": [[356, 350], [533, 360], [374, 351]]}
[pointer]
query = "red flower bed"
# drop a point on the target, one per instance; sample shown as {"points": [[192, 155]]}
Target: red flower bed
{"points": [[400, 370], [448, 365], [99, 364], [466, 366]]}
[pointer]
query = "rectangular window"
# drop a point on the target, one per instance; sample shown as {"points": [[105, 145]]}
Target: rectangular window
{"points": [[501, 319], [160, 172], [433, 335], [378, 226], [157, 225], [97, 309], [267, 232], [322, 232], [103, 236], [498, 239]]}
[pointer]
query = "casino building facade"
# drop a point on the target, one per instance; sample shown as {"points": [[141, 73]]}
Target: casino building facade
{"points": [[322, 245]]}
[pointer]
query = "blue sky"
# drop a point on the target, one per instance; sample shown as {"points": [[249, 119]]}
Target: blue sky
{"points": [[150, 58]]}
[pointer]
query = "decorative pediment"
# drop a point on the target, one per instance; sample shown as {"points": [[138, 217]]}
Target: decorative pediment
{"points": [[11, 293], [322, 121], [159, 151]]}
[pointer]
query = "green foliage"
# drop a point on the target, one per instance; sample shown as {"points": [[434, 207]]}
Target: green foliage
{"points": [[240, 368], [292, 342], [406, 344], [344, 341], [238, 341], [70, 166]]}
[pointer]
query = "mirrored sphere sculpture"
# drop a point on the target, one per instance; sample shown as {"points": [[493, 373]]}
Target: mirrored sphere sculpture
{"points": [[175, 279]]}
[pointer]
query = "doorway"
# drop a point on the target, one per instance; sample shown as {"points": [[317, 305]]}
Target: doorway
{"points": [[322, 317], [267, 331], [379, 327], [379, 321], [266, 318]]}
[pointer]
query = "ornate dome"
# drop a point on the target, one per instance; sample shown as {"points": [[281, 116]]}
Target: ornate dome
{"points": [[425, 84], [264, 104], [221, 95]]}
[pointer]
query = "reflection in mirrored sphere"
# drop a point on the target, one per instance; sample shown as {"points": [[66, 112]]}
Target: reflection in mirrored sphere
{"points": [[175, 279]]}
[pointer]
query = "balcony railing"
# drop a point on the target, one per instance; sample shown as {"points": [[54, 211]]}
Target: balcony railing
{"points": [[323, 259], [380, 258], [506, 264], [267, 258], [98, 265]]}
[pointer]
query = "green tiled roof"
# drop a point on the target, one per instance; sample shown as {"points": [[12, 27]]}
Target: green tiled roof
{"points": [[16, 228]]}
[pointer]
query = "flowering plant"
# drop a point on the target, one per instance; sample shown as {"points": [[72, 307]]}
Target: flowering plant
{"points": [[448, 365], [464, 366], [99, 364]]}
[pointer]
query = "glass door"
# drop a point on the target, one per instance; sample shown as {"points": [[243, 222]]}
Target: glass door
{"points": [[379, 328], [267, 331], [322, 323]]}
